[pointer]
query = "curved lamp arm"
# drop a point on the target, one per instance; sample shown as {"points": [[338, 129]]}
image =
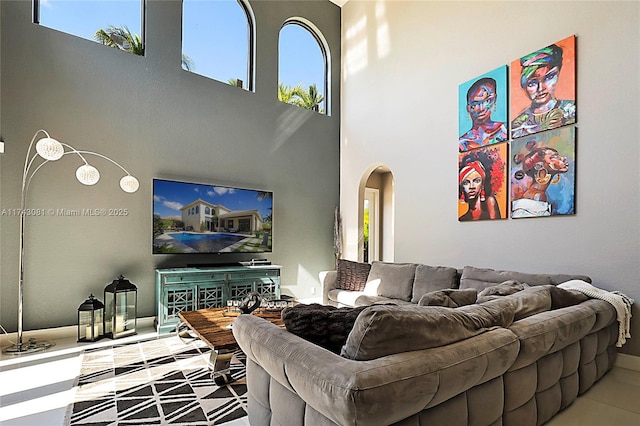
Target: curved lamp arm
{"points": [[49, 149]]}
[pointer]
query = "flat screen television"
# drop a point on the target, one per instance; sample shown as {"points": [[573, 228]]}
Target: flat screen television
{"points": [[200, 218]]}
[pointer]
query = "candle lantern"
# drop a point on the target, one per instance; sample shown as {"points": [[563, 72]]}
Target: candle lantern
{"points": [[120, 300], [90, 317]]}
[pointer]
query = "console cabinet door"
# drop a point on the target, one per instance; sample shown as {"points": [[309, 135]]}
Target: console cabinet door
{"points": [[211, 295], [176, 299]]}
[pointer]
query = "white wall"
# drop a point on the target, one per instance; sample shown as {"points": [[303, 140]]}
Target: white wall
{"points": [[402, 64]]}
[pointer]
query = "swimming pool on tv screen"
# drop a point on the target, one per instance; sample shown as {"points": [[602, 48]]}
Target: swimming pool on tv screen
{"points": [[207, 243]]}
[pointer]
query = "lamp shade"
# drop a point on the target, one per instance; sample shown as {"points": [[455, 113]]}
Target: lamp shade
{"points": [[129, 184], [49, 149], [87, 174]]}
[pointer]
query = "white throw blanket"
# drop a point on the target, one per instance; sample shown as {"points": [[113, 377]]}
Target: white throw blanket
{"points": [[621, 302]]}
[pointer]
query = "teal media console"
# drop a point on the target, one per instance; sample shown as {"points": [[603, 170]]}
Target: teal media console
{"points": [[189, 289]]}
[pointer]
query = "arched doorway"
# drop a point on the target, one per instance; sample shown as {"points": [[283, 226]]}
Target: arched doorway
{"points": [[376, 215]]}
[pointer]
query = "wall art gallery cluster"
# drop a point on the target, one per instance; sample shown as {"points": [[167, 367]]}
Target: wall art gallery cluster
{"points": [[531, 106]]}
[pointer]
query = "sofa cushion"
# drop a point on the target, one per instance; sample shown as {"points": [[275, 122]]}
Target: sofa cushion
{"points": [[394, 280], [359, 298], [352, 275], [432, 278], [450, 298], [481, 278], [326, 326], [382, 330]]}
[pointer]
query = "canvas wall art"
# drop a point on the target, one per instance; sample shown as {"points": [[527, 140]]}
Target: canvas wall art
{"points": [[543, 174], [482, 183], [543, 89], [482, 110]]}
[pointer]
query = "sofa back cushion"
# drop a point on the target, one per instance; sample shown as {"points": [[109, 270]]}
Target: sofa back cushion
{"points": [[382, 330], [352, 275], [432, 278], [394, 280], [481, 278]]}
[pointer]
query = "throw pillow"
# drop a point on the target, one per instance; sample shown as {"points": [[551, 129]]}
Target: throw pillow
{"points": [[450, 298], [529, 301], [561, 298], [325, 326], [352, 275], [394, 280], [432, 278], [503, 289]]}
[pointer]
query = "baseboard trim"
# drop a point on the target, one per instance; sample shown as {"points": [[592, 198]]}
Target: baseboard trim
{"points": [[629, 362], [59, 332]]}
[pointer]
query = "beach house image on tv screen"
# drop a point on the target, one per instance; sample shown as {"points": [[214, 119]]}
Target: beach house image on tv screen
{"points": [[200, 218]]}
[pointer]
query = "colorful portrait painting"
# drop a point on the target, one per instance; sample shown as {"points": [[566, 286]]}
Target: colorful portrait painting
{"points": [[543, 89], [482, 183], [543, 174], [482, 110]]}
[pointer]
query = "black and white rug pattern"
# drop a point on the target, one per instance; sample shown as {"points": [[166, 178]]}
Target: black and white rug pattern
{"points": [[163, 381]]}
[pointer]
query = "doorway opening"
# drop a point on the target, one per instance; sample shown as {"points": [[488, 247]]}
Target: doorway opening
{"points": [[376, 215]]}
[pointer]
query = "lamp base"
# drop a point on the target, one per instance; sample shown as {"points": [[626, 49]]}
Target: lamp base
{"points": [[26, 348]]}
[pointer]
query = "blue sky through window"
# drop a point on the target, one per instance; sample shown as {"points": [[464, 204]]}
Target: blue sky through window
{"points": [[216, 36], [83, 18]]}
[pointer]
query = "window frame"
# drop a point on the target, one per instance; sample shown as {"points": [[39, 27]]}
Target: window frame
{"points": [[324, 50], [251, 45]]}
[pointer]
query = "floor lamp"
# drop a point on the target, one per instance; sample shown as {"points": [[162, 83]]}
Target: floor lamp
{"points": [[47, 150]]}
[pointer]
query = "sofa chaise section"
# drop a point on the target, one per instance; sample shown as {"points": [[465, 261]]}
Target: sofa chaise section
{"points": [[293, 382]]}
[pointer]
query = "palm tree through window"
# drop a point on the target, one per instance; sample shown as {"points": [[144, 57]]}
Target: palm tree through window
{"points": [[123, 20], [302, 67]]}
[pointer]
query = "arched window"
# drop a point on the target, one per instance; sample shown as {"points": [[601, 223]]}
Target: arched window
{"points": [[118, 24], [217, 40], [303, 64]]}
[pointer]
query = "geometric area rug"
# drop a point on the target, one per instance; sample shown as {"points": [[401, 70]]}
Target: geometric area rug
{"points": [[163, 381]]}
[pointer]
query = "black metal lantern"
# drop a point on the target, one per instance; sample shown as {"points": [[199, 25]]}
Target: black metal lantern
{"points": [[120, 300], [90, 317]]}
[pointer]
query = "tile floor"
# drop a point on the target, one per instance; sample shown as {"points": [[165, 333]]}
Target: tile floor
{"points": [[36, 388]]}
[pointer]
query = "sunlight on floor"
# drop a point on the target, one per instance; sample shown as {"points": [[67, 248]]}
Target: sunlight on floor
{"points": [[33, 388], [36, 388]]}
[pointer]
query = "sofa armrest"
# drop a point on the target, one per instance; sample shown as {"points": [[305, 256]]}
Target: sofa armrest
{"points": [[328, 282], [551, 331], [352, 392]]}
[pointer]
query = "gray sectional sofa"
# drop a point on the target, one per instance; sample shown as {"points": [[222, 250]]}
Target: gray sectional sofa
{"points": [[521, 355]]}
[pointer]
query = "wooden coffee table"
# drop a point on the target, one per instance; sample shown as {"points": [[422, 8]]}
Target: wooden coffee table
{"points": [[213, 326]]}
